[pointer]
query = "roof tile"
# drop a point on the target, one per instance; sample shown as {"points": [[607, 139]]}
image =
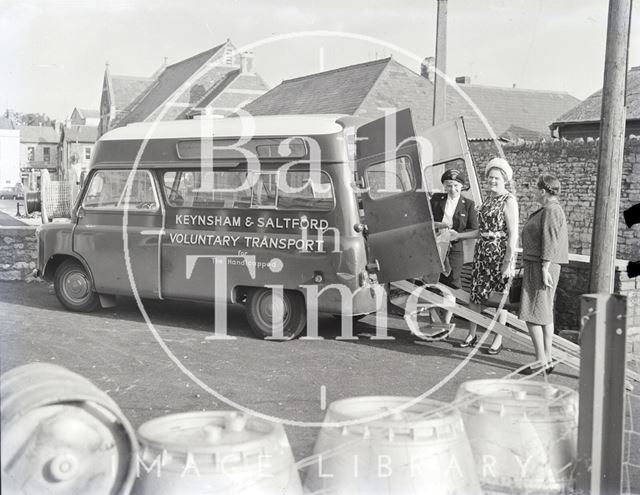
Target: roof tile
{"points": [[589, 110], [367, 89], [336, 91], [167, 83], [38, 134]]}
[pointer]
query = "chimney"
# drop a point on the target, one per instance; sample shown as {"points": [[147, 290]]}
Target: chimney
{"points": [[246, 62], [463, 80], [427, 68]]}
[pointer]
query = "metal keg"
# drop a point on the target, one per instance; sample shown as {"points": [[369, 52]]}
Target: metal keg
{"points": [[523, 434], [62, 435], [215, 452], [417, 449]]}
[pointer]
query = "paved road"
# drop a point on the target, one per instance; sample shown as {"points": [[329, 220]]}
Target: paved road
{"points": [[116, 350]]}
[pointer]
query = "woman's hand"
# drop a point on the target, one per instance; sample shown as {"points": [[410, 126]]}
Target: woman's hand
{"points": [[547, 279], [507, 269], [453, 236]]}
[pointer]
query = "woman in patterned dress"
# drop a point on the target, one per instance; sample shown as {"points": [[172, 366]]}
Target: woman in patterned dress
{"points": [[545, 246], [495, 253]]}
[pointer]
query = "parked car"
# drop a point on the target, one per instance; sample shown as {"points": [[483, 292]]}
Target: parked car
{"points": [[11, 192]]}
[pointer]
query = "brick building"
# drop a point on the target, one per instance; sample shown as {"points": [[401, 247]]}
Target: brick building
{"points": [[38, 151]]}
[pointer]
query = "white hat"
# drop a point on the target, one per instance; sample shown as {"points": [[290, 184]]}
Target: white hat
{"points": [[501, 164]]}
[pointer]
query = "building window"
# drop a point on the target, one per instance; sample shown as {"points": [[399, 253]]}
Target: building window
{"points": [[46, 154], [87, 153], [31, 153], [228, 55]]}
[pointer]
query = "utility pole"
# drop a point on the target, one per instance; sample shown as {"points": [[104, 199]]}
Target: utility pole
{"points": [[612, 126], [439, 83]]}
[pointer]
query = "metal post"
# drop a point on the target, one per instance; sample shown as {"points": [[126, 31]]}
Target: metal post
{"points": [[602, 387], [439, 84], [612, 125]]}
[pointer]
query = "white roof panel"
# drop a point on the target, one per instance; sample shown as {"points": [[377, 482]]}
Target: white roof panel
{"points": [[263, 126]]}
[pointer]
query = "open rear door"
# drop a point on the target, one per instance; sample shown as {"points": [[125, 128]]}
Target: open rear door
{"points": [[450, 150], [398, 170], [401, 237]]}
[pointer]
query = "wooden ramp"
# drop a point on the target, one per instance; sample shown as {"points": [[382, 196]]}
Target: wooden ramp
{"points": [[563, 350]]}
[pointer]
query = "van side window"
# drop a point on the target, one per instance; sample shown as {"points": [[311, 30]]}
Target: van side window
{"points": [[390, 178], [214, 189], [241, 189], [108, 190], [313, 196]]}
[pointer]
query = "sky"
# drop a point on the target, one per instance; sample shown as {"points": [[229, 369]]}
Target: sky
{"points": [[53, 52]]}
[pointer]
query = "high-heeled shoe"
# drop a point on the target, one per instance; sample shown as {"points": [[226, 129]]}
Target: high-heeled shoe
{"points": [[494, 351], [469, 343], [531, 370]]}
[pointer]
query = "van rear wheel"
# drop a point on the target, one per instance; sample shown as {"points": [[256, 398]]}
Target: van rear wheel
{"points": [[73, 287], [264, 306]]}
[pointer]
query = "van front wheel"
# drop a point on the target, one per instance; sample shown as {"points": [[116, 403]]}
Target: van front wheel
{"points": [[73, 287], [265, 307]]}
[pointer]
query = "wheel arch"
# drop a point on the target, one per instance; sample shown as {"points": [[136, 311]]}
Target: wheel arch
{"points": [[57, 259]]}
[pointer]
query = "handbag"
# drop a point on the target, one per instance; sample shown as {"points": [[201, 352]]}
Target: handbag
{"points": [[515, 290], [511, 296]]}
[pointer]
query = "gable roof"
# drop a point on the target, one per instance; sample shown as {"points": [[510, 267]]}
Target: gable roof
{"points": [[364, 89], [589, 110], [166, 84], [215, 91], [125, 89], [336, 91], [511, 112], [80, 133], [38, 134]]}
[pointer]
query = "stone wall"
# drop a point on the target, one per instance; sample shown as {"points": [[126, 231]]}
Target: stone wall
{"points": [[575, 165], [574, 282], [18, 252]]}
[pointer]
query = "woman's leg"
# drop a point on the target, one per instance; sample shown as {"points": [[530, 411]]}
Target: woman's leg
{"points": [[472, 326], [497, 339], [536, 333], [548, 331]]}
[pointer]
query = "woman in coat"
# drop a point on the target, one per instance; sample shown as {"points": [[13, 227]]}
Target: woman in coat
{"points": [[545, 247]]}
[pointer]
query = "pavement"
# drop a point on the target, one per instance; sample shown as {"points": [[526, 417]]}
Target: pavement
{"points": [[8, 217], [117, 351]]}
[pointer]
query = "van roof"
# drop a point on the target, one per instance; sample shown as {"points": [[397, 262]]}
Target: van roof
{"points": [[261, 126]]}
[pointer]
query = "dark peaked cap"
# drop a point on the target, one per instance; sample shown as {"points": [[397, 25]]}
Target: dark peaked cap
{"points": [[453, 174]]}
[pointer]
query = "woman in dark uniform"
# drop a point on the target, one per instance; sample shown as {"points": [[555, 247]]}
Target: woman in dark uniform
{"points": [[453, 211], [545, 247]]}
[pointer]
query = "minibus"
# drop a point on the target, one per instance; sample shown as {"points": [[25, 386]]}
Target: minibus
{"points": [[256, 211]]}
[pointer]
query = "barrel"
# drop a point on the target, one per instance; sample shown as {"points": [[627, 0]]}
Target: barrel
{"points": [[61, 434], [410, 450], [215, 452], [523, 434]]}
